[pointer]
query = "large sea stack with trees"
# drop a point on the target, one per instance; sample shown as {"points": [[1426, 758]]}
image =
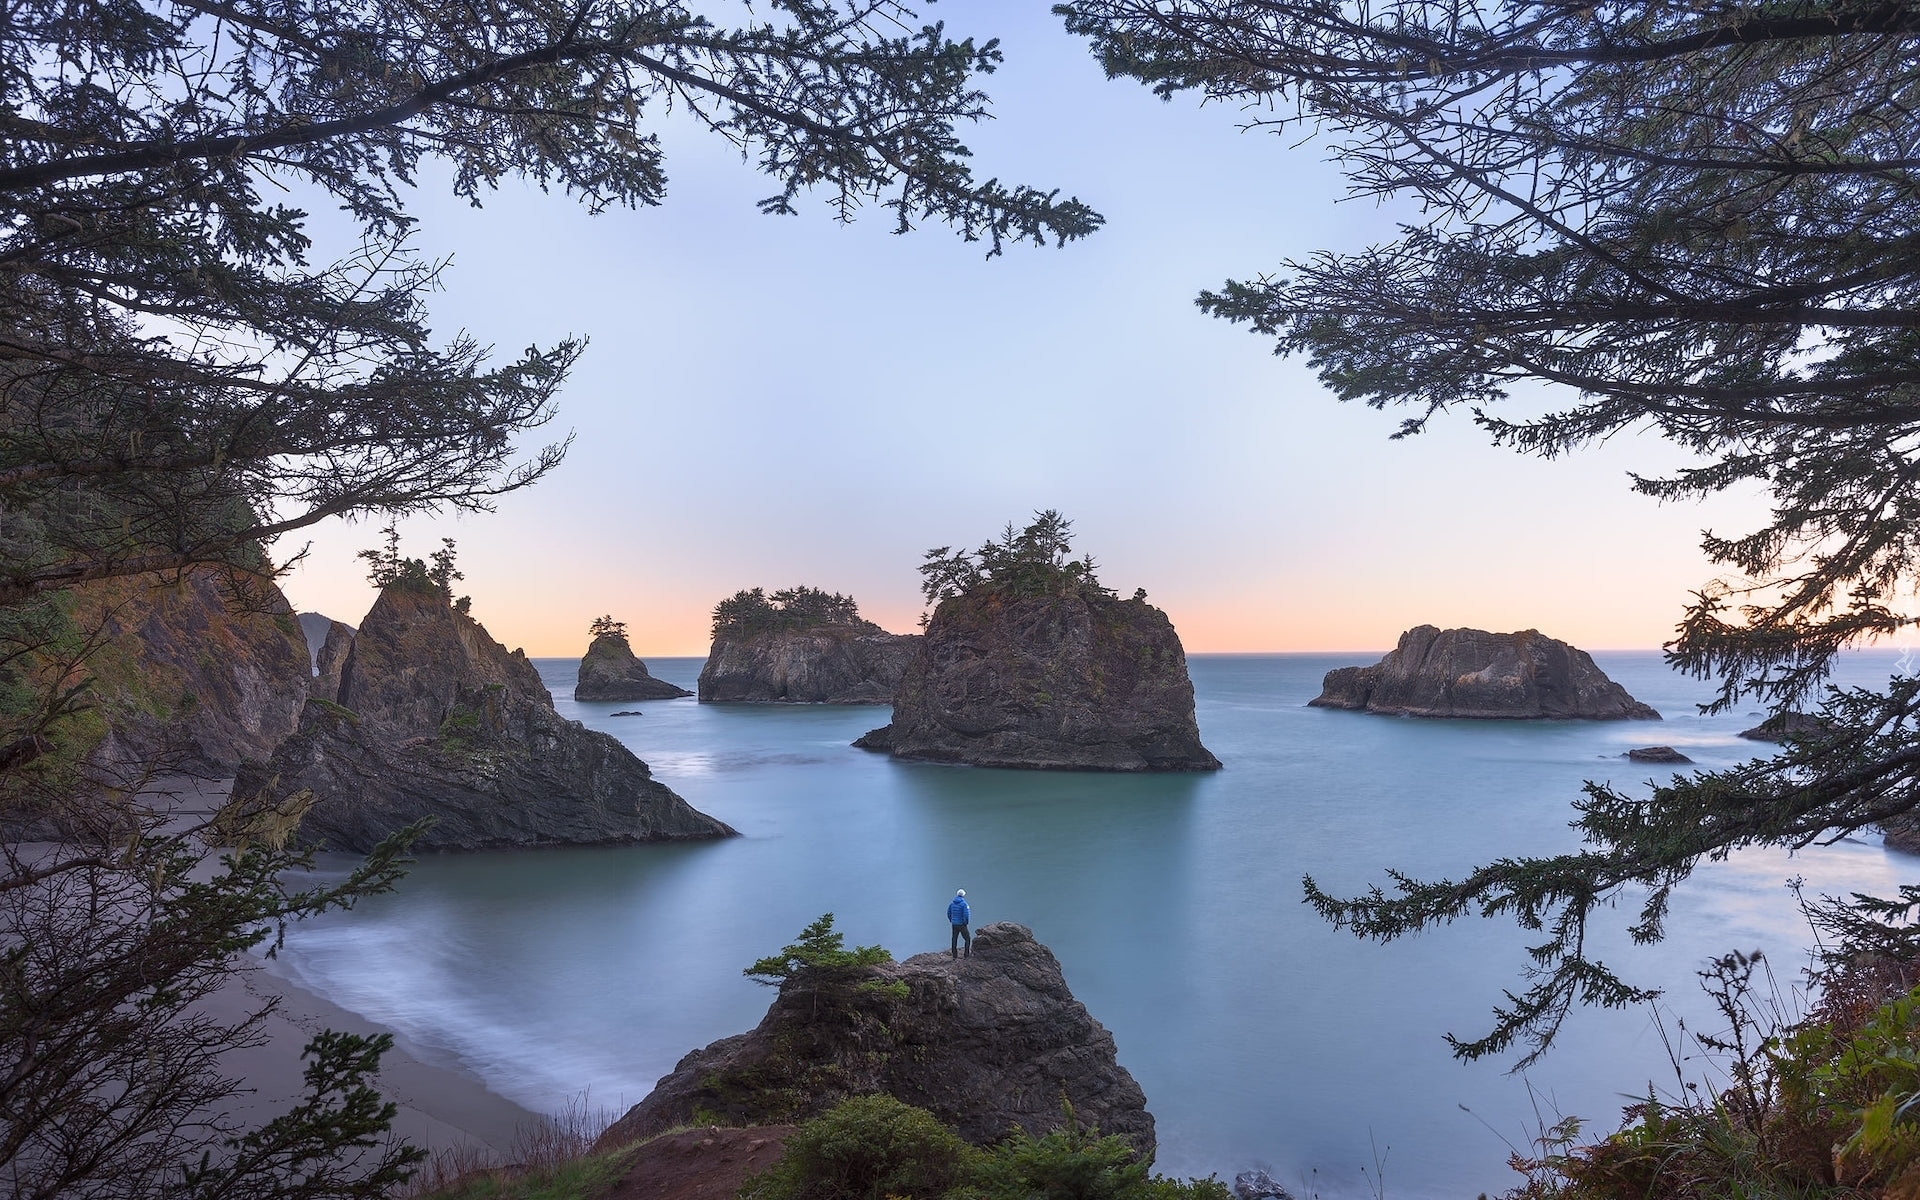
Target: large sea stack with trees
{"points": [[801, 645], [1029, 661]]}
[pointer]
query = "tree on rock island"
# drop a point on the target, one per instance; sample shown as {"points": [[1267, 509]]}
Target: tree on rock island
{"points": [[184, 379], [1030, 662], [1035, 561], [1699, 219]]}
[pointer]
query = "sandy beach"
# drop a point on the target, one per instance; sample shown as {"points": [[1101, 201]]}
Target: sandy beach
{"points": [[439, 1108]]}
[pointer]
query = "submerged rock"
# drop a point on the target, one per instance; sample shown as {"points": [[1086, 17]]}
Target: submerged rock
{"points": [[1475, 674], [1258, 1185], [1657, 754], [436, 719], [1070, 682], [984, 1043]]}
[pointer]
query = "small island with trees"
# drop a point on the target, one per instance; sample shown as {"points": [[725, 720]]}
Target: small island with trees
{"points": [[801, 645], [1030, 661], [610, 671]]}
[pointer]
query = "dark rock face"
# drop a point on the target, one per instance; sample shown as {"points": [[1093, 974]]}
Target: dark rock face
{"points": [[1657, 754], [984, 1043], [314, 626], [609, 671], [1053, 682], [188, 670], [331, 659], [826, 664], [1475, 674], [435, 718], [1780, 727], [1902, 833]]}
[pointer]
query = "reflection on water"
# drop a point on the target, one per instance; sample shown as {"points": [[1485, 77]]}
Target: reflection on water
{"points": [[1260, 1035]]}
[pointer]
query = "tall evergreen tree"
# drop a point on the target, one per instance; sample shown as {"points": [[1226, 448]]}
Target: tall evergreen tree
{"points": [[1697, 218]]}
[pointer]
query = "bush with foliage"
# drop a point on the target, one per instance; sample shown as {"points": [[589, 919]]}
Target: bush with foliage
{"points": [[748, 612], [1035, 561], [1825, 1105], [388, 568], [866, 1148], [820, 956], [872, 1147]]}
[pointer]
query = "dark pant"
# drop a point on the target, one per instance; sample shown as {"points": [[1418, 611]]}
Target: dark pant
{"points": [[960, 934]]}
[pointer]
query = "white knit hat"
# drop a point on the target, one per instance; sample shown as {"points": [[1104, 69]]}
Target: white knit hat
{"points": [[961, 892]]}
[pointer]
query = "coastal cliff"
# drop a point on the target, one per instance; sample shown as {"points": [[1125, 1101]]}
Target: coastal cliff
{"points": [[433, 718], [1058, 682], [189, 671], [1470, 673], [984, 1043], [800, 646], [610, 671]]}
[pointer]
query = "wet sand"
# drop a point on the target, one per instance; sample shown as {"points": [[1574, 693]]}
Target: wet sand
{"points": [[440, 1108]]}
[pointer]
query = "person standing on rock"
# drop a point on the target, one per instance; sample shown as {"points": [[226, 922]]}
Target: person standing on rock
{"points": [[960, 916]]}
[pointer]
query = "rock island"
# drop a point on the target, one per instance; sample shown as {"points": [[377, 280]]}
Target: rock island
{"points": [[1475, 674], [610, 671], [800, 646], [1028, 661]]}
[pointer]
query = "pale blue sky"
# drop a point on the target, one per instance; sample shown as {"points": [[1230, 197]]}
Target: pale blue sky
{"points": [[769, 401]]}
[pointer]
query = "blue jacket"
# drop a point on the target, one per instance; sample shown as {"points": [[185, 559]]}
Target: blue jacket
{"points": [[958, 913]]}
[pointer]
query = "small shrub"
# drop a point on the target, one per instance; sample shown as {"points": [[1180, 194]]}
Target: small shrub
{"points": [[821, 950], [338, 710], [460, 727], [866, 1148], [1075, 1163]]}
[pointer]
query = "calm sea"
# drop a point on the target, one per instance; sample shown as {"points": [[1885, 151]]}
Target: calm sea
{"points": [[1262, 1036]]}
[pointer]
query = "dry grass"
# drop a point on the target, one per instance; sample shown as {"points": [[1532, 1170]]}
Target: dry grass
{"points": [[549, 1145]]}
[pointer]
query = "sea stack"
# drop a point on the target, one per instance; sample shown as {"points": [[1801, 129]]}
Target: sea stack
{"points": [[984, 1043], [609, 670], [1029, 662], [1470, 673], [433, 718], [800, 646]]}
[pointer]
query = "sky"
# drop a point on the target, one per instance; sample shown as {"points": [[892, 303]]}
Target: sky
{"points": [[770, 401]]}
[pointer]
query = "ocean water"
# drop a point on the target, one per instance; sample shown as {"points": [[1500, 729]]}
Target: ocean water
{"points": [[1261, 1036]]}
